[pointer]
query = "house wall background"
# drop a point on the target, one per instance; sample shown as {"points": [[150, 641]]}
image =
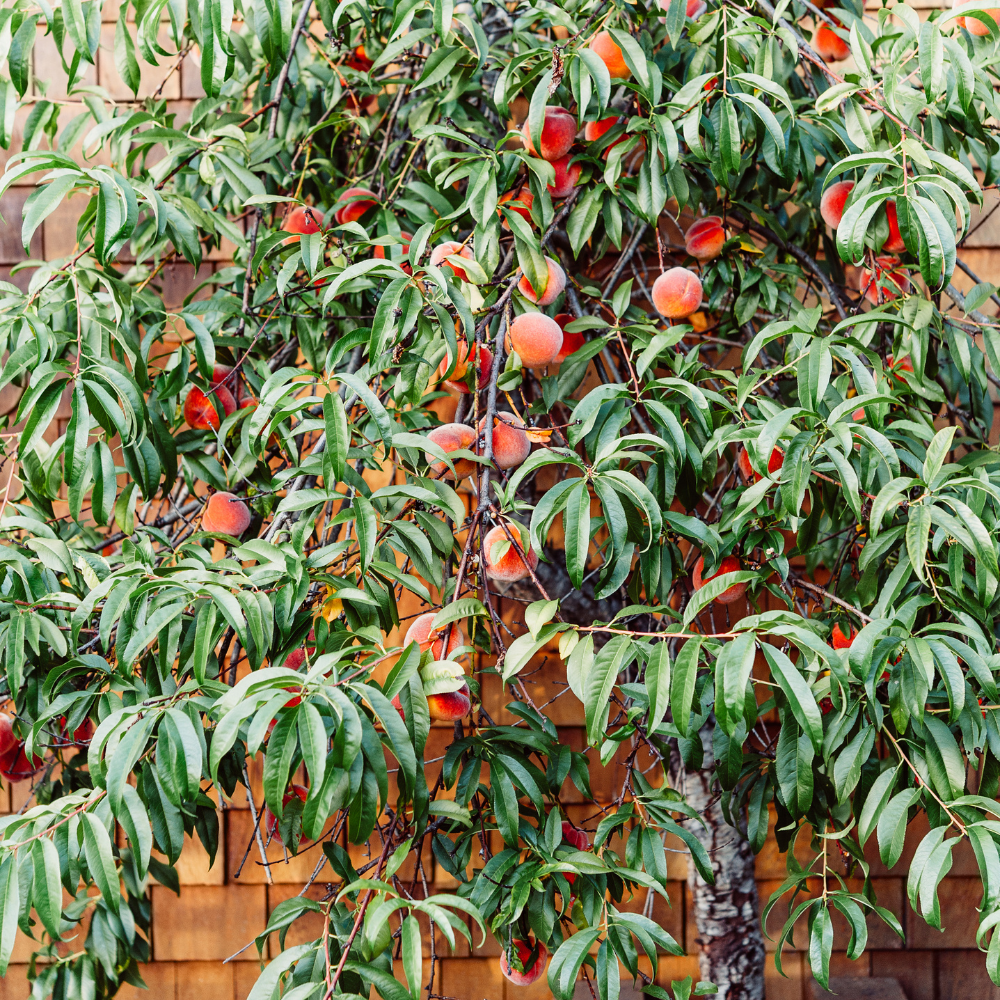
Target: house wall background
{"points": [[219, 913]]}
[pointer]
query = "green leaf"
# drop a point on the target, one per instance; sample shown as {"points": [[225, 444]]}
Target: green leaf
{"points": [[47, 885], [657, 678], [682, 684], [10, 905], [100, 860], [800, 697]]}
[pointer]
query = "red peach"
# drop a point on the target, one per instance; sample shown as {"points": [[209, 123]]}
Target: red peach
{"points": [[452, 249], [422, 632], [611, 55], [200, 413], [224, 377], [829, 45], [510, 443], [14, 765], [299, 792], [457, 381], [695, 8], [572, 342], [894, 244], [529, 975], [592, 131], [519, 201], [728, 565], [8, 741], [677, 293], [554, 285], [81, 735], [558, 133], [841, 641], [301, 220], [381, 254], [831, 205], [452, 437], [574, 837], [705, 238], [893, 282], [511, 565], [567, 174], [225, 514], [774, 463], [450, 705], [354, 202], [359, 60], [537, 338], [906, 365]]}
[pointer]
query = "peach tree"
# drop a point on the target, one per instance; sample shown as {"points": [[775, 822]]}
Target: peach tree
{"points": [[617, 335]]}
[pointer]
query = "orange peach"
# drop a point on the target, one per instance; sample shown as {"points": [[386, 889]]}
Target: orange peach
{"points": [[381, 254], [519, 201], [511, 565], [299, 792], [452, 249], [572, 342], [510, 443], [730, 564], [774, 463], [893, 281], [975, 26], [450, 705], [841, 640], [452, 437], [705, 237], [829, 45], [695, 8], [567, 174], [200, 413], [537, 338], [423, 633], [554, 285], [359, 60], [225, 514], [611, 55], [558, 133], [302, 220], [592, 131], [677, 293], [906, 365], [457, 383], [530, 974], [354, 202], [831, 205], [894, 244]]}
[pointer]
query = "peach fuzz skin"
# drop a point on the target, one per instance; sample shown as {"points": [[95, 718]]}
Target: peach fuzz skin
{"points": [[536, 338], [531, 975], [352, 207], [510, 566], [774, 463], [445, 707], [457, 381], [705, 238], [519, 201], [841, 641], [452, 249], [225, 514], [567, 174], [422, 632], [510, 443], [554, 285], [200, 413], [558, 133], [611, 55], [728, 565], [829, 45], [301, 220], [677, 293], [572, 342], [831, 205], [893, 280], [452, 437]]}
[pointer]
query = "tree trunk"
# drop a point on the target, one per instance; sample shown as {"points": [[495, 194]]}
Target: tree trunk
{"points": [[730, 943]]}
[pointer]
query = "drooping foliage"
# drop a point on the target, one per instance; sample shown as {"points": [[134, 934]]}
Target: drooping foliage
{"points": [[770, 472]]}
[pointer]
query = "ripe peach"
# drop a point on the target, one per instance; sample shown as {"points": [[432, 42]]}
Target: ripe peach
{"points": [[200, 413], [511, 565], [705, 238], [894, 282], [14, 765], [558, 133], [894, 244], [906, 365], [537, 338], [450, 705], [840, 640], [592, 131], [831, 205], [301, 220], [519, 201], [972, 24], [728, 565], [574, 837], [225, 514], [81, 735], [530, 974], [452, 437], [422, 632], [677, 293], [226, 378], [695, 8], [829, 45], [299, 792], [451, 249], [611, 55], [8, 741], [359, 60], [510, 444], [554, 285], [457, 381], [381, 254], [572, 342], [749, 473], [567, 174], [354, 202]]}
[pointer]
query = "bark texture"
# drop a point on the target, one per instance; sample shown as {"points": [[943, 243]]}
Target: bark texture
{"points": [[730, 942]]}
